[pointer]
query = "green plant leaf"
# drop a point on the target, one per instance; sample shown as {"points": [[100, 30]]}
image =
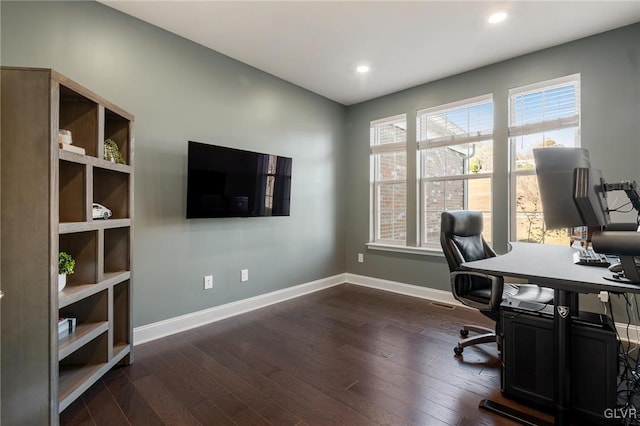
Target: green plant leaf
{"points": [[66, 263]]}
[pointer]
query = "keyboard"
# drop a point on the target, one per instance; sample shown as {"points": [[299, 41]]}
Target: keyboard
{"points": [[590, 258]]}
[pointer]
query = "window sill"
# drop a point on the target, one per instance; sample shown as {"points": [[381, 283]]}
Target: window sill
{"points": [[405, 249]]}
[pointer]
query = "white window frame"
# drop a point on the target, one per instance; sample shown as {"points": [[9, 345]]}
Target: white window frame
{"points": [[538, 127], [375, 149], [424, 144]]}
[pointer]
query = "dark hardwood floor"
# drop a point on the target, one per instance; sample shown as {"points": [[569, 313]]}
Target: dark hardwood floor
{"points": [[348, 355]]}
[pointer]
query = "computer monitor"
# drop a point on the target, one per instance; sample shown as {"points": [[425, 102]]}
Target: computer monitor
{"points": [[572, 192], [589, 194]]}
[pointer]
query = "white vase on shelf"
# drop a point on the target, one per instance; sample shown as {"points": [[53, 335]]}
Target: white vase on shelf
{"points": [[62, 281]]}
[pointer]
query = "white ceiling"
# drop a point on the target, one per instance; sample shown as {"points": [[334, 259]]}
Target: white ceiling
{"points": [[318, 44]]}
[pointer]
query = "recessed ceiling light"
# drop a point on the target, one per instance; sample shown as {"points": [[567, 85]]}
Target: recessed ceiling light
{"points": [[497, 17], [362, 69]]}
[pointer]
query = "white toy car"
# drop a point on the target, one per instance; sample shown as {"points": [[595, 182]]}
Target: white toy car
{"points": [[100, 212]]}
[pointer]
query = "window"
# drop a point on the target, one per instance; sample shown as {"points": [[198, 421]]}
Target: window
{"points": [[542, 115], [270, 184], [388, 139], [455, 144]]}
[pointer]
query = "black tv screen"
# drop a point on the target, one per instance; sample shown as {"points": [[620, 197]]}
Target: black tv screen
{"points": [[229, 182]]}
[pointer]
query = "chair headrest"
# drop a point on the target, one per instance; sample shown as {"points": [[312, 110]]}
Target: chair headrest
{"points": [[463, 223]]}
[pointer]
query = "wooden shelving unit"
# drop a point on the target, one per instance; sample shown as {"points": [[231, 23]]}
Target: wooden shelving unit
{"points": [[55, 189]]}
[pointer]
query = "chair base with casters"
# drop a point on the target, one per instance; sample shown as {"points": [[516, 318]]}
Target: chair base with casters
{"points": [[523, 292], [487, 336]]}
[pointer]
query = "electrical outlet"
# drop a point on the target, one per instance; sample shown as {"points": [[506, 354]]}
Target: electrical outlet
{"points": [[244, 275], [208, 282], [360, 258]]}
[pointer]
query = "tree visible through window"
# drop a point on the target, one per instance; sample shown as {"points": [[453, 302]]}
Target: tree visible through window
{"points": [[456, 163], [543, 115]]}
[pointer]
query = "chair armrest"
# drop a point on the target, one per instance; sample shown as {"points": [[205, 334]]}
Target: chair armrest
{"points": [[497, 286]]}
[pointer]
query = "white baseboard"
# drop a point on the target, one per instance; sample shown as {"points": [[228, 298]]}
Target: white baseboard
{"points": [[436, 295], [629, 335], [185, 322], [169, 326]]}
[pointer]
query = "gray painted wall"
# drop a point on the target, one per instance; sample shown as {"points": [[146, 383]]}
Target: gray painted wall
{"points": [[180, 91], [610, 81]]}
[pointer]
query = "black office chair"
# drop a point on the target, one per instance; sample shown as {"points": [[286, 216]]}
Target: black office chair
{"points": [[462, 241]]}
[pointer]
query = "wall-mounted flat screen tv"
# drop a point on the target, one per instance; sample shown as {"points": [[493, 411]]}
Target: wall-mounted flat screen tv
{"points": [[229, 182]]}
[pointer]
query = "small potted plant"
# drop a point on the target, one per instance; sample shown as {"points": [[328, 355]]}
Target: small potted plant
{"points": [[112, 152], [65, 267]]}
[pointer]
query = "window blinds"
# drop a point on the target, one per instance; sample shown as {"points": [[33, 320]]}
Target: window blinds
{"points": [[455, 124], [536, 109], [389, 134]]}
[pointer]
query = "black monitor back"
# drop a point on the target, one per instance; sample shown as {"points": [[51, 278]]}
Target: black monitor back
{"points": [[590, 196]]}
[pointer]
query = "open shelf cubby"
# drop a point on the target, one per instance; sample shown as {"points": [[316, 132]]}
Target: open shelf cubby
{"points": [[121, 320], [83, 247], [78, 370], [72, 201], [92, 315], [116, 128], [111, 189], [116, 250], [92, 309], [79, 115]]}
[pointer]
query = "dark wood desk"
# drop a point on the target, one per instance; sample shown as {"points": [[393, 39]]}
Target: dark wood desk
{"points": [[553, 267]]}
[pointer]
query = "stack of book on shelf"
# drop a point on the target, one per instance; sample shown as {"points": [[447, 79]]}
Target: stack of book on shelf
{"points": [[65, 140], [66, 326], [72, 148]]}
